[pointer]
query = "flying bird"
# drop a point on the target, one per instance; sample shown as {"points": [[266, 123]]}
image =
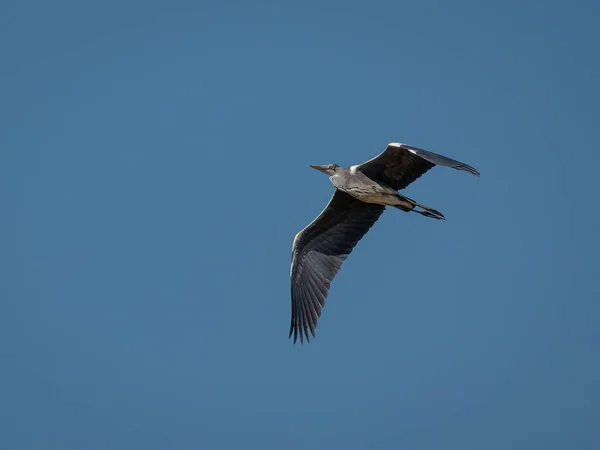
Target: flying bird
{"points": [[361, 195]]}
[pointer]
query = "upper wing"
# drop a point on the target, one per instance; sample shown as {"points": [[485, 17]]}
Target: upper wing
{"points": [[401, 164], [318, 253]]}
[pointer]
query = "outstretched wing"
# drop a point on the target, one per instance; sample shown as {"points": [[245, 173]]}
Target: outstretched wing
{"points": [[318, 253], [401, 164]]}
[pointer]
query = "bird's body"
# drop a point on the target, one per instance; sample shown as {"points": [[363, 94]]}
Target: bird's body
{"points": [[362, 193], [358, 185], [355, 183]]}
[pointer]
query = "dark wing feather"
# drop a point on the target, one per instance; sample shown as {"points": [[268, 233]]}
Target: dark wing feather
{"points": [[400, 164], [318, 253]]}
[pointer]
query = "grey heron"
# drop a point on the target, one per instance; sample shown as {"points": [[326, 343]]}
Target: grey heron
{"points": [[361, 195]]}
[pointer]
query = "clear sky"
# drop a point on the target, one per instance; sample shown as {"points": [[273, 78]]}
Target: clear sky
{"points": [[154, 169]]}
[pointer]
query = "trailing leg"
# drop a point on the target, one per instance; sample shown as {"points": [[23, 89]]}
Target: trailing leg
{"points": [[407, 204], [429, 212]]}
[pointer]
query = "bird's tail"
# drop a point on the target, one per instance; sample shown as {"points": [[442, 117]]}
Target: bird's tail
{"points": [[408, 205]]}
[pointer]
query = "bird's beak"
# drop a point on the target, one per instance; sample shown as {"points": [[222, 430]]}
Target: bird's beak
{"points": [[323, 169]]}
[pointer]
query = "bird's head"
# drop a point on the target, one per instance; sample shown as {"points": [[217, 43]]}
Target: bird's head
{"points": [[329, 169]]}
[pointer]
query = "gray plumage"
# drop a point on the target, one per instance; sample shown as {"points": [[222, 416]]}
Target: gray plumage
{"points": [[362, 193]]}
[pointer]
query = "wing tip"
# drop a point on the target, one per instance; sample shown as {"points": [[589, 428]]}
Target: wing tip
{"points": [[297, 331], [416, 150], [471, 170]]}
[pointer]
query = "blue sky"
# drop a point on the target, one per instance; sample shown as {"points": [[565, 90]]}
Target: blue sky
{"points": [[154, 171]]}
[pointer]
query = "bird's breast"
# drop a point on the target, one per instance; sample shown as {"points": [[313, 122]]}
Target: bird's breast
{"points": [[368, 195]]}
